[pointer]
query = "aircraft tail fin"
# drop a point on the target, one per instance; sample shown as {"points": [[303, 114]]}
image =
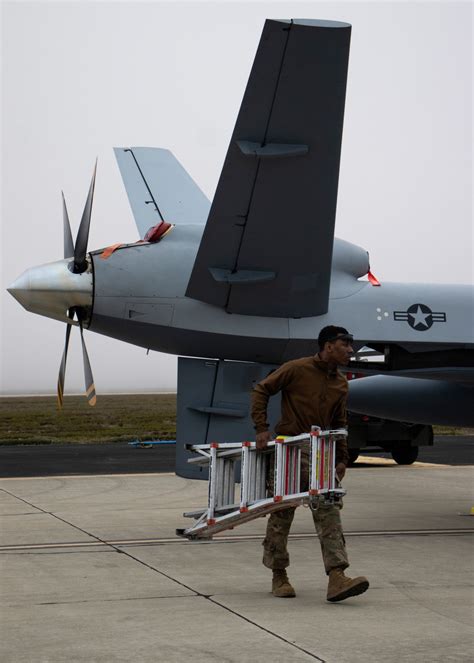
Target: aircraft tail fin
{"points": [[159, 188], [267, 246]]}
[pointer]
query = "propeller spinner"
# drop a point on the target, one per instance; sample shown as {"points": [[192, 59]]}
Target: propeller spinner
{"points": [[63, 290]]}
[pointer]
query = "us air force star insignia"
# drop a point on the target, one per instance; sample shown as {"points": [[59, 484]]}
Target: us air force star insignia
{"points": [[419, 316]]}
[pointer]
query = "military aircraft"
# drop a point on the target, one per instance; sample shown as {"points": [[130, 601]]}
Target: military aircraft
{"points": [[240, 286]]}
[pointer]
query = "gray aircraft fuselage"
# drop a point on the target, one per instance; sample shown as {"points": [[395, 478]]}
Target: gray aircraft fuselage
{"points": [[139, 297]]}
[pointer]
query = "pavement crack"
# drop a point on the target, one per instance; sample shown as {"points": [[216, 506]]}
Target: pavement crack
{"points": [[123, 552], [33, 506], [209, 597], [113, 600], [266, 630], [56, 552], [26, 513], [162, 573]]}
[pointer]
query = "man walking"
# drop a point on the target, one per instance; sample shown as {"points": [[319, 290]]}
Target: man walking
{"points": [[313, 392]]}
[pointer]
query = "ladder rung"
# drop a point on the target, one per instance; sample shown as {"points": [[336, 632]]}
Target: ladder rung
{"points": [[222, 512]]}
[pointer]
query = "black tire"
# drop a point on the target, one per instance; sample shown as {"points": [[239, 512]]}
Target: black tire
{"points": [[353, 455], [404, 454]]}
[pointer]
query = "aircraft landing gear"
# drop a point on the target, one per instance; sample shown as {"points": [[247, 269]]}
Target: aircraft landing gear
{"points": [[353, 456], [404, 454]]}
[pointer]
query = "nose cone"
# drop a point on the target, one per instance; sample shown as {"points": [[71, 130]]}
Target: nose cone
{"points": [[52, 289], [20, 288]]}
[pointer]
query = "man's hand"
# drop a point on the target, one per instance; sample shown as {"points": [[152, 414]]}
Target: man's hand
{"points": [[262, 439], [340, 471]]}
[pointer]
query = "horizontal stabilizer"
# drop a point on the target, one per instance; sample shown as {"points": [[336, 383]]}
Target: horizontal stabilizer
{"points": [[159, 188], [271, 224]]}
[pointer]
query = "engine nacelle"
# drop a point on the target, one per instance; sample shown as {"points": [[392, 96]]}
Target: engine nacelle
{"points": [[349, 263]]}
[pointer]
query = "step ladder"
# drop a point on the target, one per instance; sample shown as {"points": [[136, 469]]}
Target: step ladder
{"points": [[223, 512]]}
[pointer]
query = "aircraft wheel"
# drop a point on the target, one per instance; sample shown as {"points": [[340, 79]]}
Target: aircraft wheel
{"points": [[353, 455], [404, 454]]}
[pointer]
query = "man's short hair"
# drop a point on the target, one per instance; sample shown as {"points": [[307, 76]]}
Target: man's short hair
{"points": [[331, 333]]}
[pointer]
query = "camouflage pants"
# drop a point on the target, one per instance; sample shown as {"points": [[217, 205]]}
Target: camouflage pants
{"points": [[327, 523]]}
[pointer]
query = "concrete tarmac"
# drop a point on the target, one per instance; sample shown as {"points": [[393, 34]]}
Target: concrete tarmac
{"points": [[92, 572]]}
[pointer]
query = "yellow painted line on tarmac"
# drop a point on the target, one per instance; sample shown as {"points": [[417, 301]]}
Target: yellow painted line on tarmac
{"points": [[374, 460]]}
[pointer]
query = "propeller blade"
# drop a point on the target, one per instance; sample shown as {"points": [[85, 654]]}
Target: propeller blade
{"points": [[80, 248], [62, 367], [89, 380], [68, 244]]}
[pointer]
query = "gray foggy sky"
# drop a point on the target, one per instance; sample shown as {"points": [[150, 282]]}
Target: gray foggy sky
{"points": [[81, 78]]}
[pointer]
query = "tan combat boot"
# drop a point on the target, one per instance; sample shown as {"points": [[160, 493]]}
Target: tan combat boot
{"points": [[340, 587], [281, 586]]}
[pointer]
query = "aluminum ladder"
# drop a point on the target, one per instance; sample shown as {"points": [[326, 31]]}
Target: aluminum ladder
{"points": [[223, 512]]}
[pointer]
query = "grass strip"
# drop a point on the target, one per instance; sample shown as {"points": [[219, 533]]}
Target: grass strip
{"points": [[115, 418]]}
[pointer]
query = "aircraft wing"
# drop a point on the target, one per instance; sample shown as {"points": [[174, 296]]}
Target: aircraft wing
{"points": [[267, 245], [159, 188]]}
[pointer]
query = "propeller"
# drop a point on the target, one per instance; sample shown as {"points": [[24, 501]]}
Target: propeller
{"points": [[62, 367], [68, 243], [79, 265], [80, 247]]}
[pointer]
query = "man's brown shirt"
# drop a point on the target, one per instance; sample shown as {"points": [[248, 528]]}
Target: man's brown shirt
{"points": [[311, 394]]}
